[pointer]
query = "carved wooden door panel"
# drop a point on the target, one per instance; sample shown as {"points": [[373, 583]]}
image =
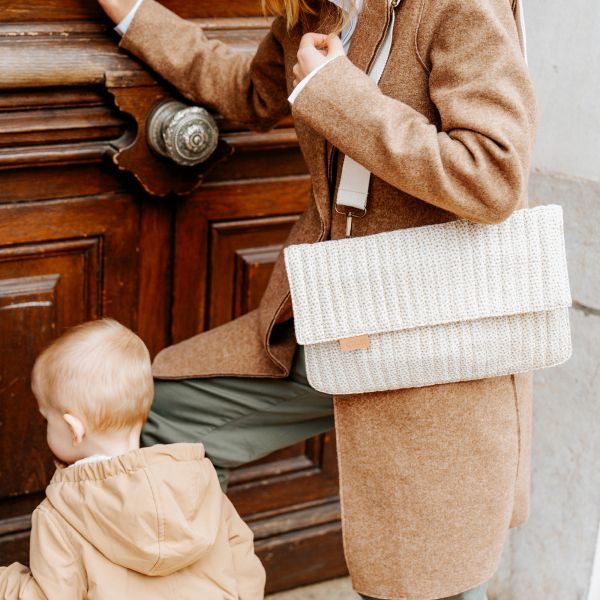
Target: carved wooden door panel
{"points": [[94, 222]]}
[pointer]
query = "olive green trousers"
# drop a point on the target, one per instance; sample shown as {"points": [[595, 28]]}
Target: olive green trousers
{"points": [[241, 419]]}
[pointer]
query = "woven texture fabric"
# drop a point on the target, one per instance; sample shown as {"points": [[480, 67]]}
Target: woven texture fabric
{"points": [[449, 302]]}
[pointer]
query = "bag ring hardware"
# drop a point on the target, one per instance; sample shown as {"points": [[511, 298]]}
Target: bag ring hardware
{"points": [[349, 216]]}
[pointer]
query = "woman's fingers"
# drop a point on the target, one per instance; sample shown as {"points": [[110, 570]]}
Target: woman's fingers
{"points": [[297, 74], [314, 50], [335, 47], [315, 40], [117, 9]]}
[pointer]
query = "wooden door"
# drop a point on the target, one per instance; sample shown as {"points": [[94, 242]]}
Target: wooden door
{"points": [[81, 239]]}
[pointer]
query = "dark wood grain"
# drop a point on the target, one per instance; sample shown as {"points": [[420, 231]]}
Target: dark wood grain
{"points": [[61, 181], [230, 274], [28, 303], [36, 55], [53, 257], [310, 475], [64, 10], [286, 561], [197, 215], [58, 125], [155, 269]]}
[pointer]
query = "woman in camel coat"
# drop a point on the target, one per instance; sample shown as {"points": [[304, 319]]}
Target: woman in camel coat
{"points": [[431, 478]]}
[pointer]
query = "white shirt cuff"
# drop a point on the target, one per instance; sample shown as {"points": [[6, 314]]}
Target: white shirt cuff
{"points": [[301, 85], [123, 24]]}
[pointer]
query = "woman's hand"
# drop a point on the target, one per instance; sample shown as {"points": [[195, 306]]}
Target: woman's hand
{"points": [[316, 49], [116, 9]]}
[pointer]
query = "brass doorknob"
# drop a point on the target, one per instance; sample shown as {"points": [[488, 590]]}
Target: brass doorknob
{"points": [[187, 135]]}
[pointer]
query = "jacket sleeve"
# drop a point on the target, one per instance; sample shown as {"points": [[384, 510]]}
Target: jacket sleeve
{"points": [[250, 90], [17, 583], [475, 163], [249, 571], [55, 564]]}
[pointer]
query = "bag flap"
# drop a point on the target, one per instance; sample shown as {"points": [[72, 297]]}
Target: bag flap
{"points": [[428, 275]]}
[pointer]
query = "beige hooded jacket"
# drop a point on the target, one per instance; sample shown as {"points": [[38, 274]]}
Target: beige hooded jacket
{"points": [[150, 524]]}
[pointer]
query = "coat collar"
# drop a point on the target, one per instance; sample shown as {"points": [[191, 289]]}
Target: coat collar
{"points": [[347, 5], [369, 32], [370, 28]]}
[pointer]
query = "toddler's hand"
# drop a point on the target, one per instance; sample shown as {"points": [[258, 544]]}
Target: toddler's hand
{"points": [[316, 49], [116, 9]]}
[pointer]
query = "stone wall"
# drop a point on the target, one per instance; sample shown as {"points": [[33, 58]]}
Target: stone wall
{"points": [[556, 555], [552, 556]]}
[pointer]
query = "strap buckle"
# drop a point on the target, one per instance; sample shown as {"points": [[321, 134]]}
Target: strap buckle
{"points": [[349, 216]]}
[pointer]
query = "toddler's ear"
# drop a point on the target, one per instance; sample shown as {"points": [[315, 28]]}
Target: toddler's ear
{"points": [[76, 427]]}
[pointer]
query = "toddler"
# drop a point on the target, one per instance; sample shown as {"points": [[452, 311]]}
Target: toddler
{"points": [[124, 523]]}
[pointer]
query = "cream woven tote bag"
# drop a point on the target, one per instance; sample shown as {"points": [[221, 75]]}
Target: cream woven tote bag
{"points": [[434, 304]]}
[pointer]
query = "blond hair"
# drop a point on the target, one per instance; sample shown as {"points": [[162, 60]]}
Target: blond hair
{"points": [[295, 11], [100, 371]]}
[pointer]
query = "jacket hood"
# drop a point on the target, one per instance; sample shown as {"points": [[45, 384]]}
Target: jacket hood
{"points": [[155, 510]]}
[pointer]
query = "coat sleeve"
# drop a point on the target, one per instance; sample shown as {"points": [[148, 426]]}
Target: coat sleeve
{"points": [[250, 90], [55, 563], [475, 162], [249, 571], [17, 583]]}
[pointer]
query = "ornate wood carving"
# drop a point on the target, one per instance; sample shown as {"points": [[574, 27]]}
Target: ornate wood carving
{"points": [[158, 175], [37, 54]]}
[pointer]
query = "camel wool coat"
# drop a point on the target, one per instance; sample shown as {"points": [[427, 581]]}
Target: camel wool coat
{"points": [[430, 478]]}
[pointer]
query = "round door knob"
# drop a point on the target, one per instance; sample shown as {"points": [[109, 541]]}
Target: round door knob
{"points": [[187, 135]]}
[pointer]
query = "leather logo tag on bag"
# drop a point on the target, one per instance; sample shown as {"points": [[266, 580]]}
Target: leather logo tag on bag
{"points": [[358, 342]]}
